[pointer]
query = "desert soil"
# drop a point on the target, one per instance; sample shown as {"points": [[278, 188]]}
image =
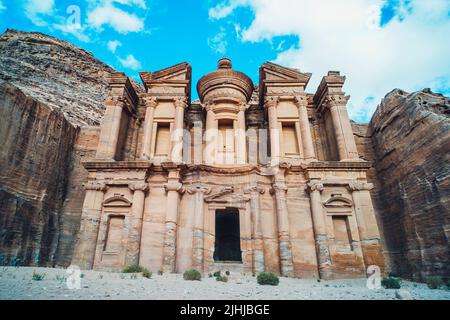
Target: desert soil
{"points": [[18, 283]]}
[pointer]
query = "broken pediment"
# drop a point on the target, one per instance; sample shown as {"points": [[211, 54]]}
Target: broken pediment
{"points": [[175, 79], [271, 72]]}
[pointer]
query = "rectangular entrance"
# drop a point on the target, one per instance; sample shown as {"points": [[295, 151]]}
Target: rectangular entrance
{"points": [[228, 238]]}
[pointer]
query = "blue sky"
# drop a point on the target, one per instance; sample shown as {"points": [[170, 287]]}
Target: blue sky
{"points": [[377, 44]]}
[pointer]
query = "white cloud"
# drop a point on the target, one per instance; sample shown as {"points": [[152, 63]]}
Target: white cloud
{"points": [[106, 13], [113, 45], [224, 9], [2, 6], [218, 42], [130, 62], [409, 52], [36, 10]]}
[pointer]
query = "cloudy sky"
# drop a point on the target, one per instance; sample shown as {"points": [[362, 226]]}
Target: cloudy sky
{"points": [[378, 44]]}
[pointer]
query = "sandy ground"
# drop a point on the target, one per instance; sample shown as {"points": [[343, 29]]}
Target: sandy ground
{"points": [[18, 283]]}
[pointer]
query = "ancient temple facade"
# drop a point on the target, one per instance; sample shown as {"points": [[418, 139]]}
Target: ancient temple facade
{"points": [[247, 178]]}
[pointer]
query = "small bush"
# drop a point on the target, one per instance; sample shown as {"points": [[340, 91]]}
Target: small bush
{"points": [[253, 274], [216, 274], [82, 275], [210, 275], [38, 276], [435, 282], [134, 268], [391, 283], [192, 275], [146, 273], [267, 278], [160, 272], [222, 278], [393, 275], [227, 273]]}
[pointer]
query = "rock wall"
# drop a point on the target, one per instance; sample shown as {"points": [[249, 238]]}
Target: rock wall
{"points": [[35, 154], [410, 134], [49, 89]]}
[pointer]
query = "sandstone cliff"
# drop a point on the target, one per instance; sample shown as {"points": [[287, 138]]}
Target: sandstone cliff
{"points": [[48, 89], [410, 134]]}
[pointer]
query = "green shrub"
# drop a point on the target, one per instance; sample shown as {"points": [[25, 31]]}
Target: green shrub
{"points": [[146, 273], [160, 272], [210, 275], [227, 273], [38, 276], [222, 278], [435, 282], [192, 274], [267, 278], [134, 268], [216, 274], [391, 283]]}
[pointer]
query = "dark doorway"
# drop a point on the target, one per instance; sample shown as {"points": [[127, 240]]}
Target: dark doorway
{"points": [[228, 241]]}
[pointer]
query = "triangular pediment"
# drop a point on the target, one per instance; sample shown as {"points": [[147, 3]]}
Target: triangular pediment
{"points": [[273, 72]]}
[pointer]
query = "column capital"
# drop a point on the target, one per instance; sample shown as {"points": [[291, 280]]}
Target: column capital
{"points": [[360, 186], [278, 187], [174, 186], [150, 101], [242, 106], [201, 188], [138, 186], [271, 102], [208, 105], [314, 186], [301, 100], [336, 100], [113, 100], [180, 102], [95, 185], [254, 189]]}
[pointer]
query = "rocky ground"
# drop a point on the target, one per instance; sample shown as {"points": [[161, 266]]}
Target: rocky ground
{"points": [[18, 283]]}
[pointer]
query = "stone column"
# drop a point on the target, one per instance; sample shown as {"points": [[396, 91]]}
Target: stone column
{"points": [[137, 210], [257, 237], [110, 128], [197, 245], [84, 252], [240, 136], [320, 232], [342, 128], [177, 134], [173, 188], [279, 188], [271, 105], [211, 136], [369, 233], [305, 129], [151, 104]]}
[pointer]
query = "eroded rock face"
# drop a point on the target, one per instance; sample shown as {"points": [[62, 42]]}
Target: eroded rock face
{"points": [[35, 155], [48, 89], [57, 73], [411, 139]]}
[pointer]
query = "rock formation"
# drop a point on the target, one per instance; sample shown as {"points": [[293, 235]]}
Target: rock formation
{"points": [[411, 140], [48, 88]]}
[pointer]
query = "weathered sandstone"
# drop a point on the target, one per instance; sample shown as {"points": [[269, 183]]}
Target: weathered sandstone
{"points": [[411, 140], [48, 89]]}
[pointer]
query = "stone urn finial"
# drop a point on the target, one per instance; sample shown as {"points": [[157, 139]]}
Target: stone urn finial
{"points": [[224, 63]]}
